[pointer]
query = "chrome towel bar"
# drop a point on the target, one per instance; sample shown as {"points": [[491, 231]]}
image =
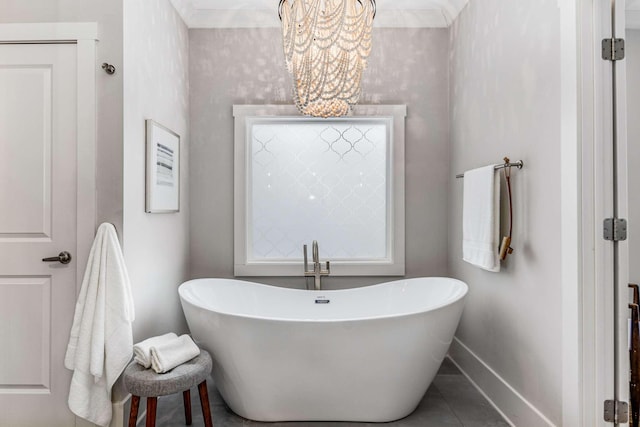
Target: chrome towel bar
{"points": [[519, 164]]}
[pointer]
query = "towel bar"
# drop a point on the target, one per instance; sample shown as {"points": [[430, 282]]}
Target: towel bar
{"points": [[519, 164]]}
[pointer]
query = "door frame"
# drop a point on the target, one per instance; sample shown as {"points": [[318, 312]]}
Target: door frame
{"points": [[586, 181], [577, 142], [84, 35], [621, 170]]}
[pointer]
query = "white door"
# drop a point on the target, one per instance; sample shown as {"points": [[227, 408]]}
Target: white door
{"points": [[37, 220]]}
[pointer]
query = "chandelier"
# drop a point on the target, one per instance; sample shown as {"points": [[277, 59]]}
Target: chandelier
{"points": [[326, 46]]}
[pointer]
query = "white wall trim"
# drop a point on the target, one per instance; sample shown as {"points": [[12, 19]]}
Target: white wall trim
{"points": [[517, 410], [86, 166], [210, 14], [119, 415], [622, 314], [394, 265], [48, 32], [597, 302], [142, 418], [587, 268], [269, 19], [571, 219]]}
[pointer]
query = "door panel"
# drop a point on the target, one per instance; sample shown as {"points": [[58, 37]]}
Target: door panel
{"points": [[25, 302], [37, 220], [25, 154]]}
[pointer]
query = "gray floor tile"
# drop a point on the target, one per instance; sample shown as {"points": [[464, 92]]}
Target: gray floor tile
{"points": [[170, 412], [471, 408], [448, 368], [433, 411]]}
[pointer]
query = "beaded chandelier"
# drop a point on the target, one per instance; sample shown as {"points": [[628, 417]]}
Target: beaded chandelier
{"points": [[326, 46]]}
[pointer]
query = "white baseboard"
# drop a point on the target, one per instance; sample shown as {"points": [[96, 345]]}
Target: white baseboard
{"points": [[142, 418], [119, 417], [121, 412], [516, 410]]}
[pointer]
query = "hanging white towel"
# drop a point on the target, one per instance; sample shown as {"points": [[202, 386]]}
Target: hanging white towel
{"points": [[481, 218], [101, 338], [168, 355], [142, 350]]}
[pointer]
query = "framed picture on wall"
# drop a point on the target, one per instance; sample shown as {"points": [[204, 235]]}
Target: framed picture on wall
{"points": [[163, 169]]}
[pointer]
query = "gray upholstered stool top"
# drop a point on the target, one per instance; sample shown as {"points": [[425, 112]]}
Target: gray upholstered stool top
{"points": [[145, 382]]}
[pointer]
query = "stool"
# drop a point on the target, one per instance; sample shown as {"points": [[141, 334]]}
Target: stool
{"points": [[145, 382]]}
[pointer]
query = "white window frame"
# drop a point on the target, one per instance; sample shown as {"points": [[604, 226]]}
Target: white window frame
{"points": [[393, 265]]}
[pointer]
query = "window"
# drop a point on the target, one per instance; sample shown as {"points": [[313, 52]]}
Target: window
{"points": [[338, 181]]}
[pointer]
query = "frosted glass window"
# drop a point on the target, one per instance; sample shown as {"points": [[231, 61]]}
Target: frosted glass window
{"points": [[324, 181], [338, 181]]}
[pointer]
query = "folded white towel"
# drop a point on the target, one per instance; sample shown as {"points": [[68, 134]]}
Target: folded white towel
{"points": [[101, 336], [481, 218], [170, 354], [142, 350]]}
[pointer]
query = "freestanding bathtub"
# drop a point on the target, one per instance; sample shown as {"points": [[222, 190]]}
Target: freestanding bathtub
{"points": [[365, 354]]}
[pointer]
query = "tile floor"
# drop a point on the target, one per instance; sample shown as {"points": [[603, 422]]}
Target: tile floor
{"points": [[450, 401]]}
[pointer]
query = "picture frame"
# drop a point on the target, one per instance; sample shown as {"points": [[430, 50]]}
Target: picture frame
{"points": [[162, 169]]}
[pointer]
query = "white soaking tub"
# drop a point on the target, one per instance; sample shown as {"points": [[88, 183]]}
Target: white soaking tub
{"points": [[364, 354]]}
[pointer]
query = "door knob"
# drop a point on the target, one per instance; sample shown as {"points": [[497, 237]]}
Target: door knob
{"points": [[63, 257]]}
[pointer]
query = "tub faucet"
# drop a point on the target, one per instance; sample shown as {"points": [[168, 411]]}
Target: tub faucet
{"points": [[317, 271]]}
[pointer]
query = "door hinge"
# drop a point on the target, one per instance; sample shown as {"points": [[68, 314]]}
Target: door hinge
{"points": [[615, 229], [612, 49], [616, 412]]}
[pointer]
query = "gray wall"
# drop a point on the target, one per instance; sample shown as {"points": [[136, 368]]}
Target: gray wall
{"points": [[156, 86], [633, 136], [246, 66], [108, 15], [505, 100]]}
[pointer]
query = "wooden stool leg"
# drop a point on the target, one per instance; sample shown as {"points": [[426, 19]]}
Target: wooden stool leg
{"points": [[204, 402], [186, 397], [152, 403], [133, 413]]}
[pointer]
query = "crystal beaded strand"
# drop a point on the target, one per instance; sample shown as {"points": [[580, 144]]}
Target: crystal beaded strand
{"points": [[326, 45]]}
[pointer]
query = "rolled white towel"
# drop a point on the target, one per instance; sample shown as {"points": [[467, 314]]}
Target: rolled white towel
{"points": [[142, 350], [166, 356]]}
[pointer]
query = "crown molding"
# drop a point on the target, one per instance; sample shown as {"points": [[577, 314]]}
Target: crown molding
{"points": [[263, 13]]}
